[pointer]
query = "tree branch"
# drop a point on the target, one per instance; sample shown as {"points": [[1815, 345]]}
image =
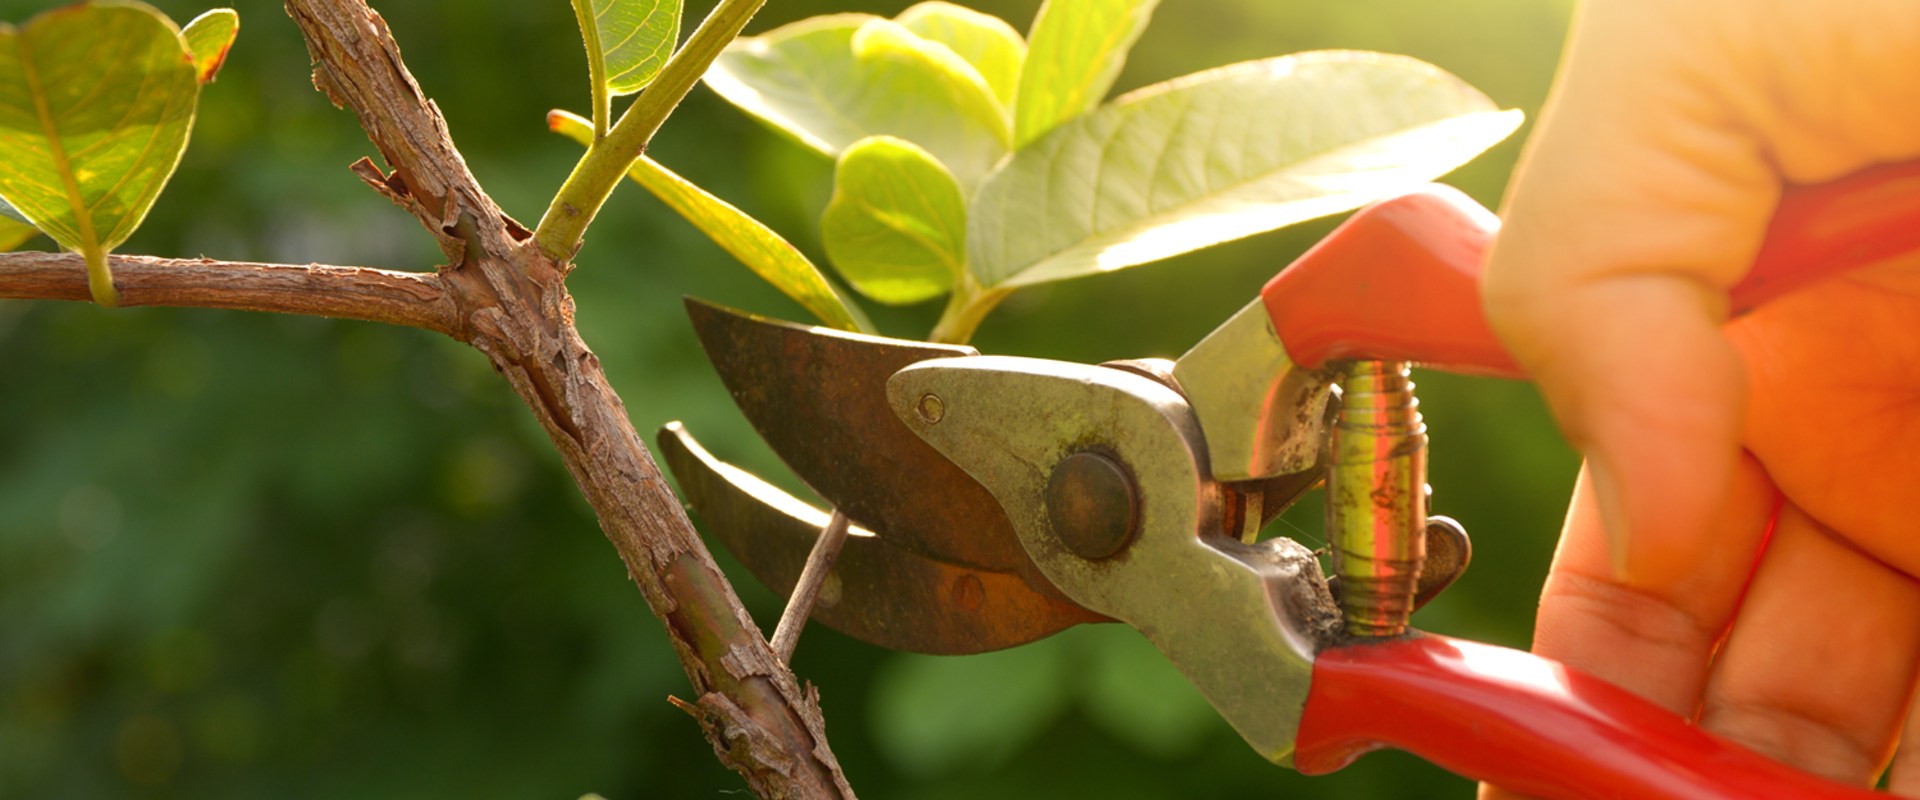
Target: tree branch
{"points": [[416, 300], [513, 307]]}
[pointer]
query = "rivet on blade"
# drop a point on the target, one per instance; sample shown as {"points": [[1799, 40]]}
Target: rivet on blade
{"points": [[931, 408]]}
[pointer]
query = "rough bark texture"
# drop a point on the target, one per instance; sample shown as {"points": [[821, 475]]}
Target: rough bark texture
{"points": [[498, 293]]}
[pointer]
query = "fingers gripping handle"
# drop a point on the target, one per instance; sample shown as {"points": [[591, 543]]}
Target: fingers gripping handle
{"points": [[1400, 281], [1525, 724]]}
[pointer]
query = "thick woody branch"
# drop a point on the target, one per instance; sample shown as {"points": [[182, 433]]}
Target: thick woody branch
{"points": [[357, 66], [514, 308], [412, 299]]}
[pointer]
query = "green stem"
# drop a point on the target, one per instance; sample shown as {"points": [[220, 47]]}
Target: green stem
{"points": [[99, 278], [596, 67], [601, 169], [966, 308]]}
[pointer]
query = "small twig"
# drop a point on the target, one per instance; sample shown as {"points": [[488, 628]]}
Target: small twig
{"points": [[800, 606]]}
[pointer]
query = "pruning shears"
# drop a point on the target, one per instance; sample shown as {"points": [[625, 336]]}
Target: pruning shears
{"points": [[997, 500]]}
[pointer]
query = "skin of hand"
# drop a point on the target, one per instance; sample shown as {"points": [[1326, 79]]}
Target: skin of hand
{"points": [[1739, 549]]}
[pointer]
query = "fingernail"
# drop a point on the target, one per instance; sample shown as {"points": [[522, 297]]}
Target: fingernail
{"points": [[1613, 512]]}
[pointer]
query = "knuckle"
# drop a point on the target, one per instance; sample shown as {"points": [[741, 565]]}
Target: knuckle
{"points": [[1799, 737], [1637, 617]]}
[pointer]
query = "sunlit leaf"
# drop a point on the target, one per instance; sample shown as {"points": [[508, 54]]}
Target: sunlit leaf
{"points": [[1074, 53], [742, 236], [987, 42], [636, 37], [209, 37], [834, 80], [1220, 155], [934, 714], [95, 105], [897, 225]]}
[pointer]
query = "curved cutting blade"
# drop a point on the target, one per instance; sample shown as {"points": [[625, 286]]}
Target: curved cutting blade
{"points": [[818, 397], [877, 592]]}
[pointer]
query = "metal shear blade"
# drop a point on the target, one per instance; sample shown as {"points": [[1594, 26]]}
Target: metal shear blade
{"points": [[818, 397], [878, 592]]}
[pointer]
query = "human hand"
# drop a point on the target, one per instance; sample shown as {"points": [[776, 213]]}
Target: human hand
{"points": [[1642, 199]]}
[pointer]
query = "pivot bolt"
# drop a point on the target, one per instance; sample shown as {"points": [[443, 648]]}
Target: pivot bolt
{"points": [[1092, 504]]}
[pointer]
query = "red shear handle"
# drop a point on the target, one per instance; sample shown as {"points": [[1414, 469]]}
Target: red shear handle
{"points": [[1400, 280], [1526, 724]]}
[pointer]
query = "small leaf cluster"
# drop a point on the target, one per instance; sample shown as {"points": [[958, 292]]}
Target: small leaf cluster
{"points": [[96, 103], [628, 43], [973, 161]]}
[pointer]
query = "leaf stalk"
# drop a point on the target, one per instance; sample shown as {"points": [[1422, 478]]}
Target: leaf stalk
{"points": [[601, 168], [966, 309], [100, 277], [596, 67]]}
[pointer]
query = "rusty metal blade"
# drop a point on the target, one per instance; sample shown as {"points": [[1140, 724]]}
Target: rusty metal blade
{"points": [[818, 397], [877, 592]]}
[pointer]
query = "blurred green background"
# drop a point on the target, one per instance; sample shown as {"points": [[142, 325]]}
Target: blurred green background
{"points": [[244, 555]]}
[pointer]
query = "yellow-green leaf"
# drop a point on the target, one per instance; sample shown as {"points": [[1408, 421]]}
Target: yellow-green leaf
{"points": [[742, 236], [1222, 154], [897, 225], [209, 37], [832, 81], [636, 37], [95, 104], [1074, 54], [987, 42]]}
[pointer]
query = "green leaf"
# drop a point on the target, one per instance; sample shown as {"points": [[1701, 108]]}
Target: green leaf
{"points": [[635, 37], [987, 42], [742, 236], [1220, 155], [1074, 54], [834, 80], [209, 37], [897, 225], [95, 105]]}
